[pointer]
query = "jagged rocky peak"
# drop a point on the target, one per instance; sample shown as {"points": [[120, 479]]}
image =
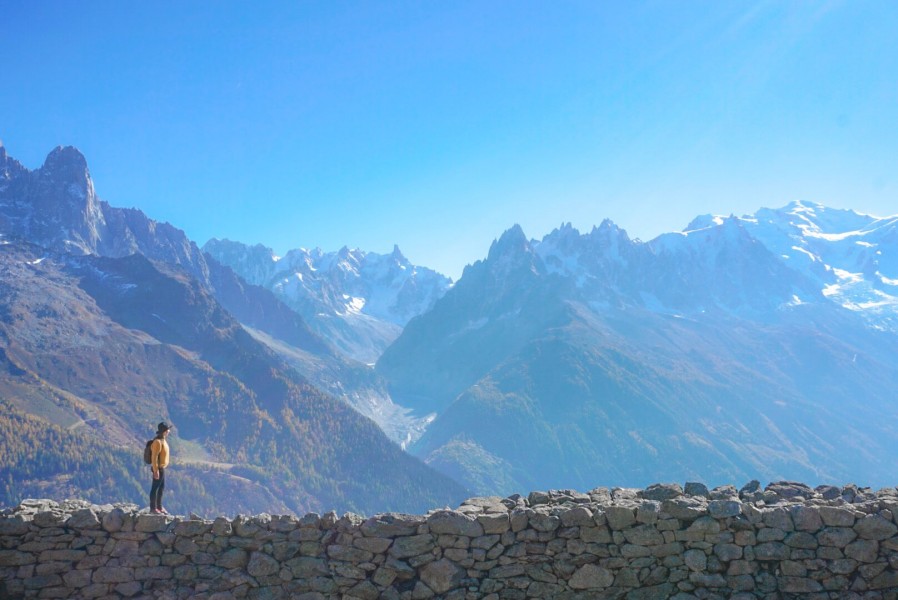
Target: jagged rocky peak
{"points": [[254, 263], [217, 246], [397, 256], [65, 171], [702, 222], [9, 167], [511, 242], [65, 163], [608, 234]]}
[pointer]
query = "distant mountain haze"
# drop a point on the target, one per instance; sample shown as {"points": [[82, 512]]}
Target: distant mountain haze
{"points": [[358, 300], [112, 322], [756, 347], [56, 207]]}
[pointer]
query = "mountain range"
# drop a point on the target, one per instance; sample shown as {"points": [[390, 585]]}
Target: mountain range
{"points": [[112, 322], [358, 300], [754, 347]]}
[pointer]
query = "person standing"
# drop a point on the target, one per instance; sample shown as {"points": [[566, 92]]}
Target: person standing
{"points": [[159, 462]]}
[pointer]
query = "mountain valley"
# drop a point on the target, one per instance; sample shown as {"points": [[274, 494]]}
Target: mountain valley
{"points": [[755, 347]]}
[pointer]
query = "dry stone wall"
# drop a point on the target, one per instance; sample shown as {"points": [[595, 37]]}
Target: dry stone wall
{"points": [[785, 541]]}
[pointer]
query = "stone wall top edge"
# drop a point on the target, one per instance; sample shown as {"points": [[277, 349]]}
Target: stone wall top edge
{"points": [[685, 502]]}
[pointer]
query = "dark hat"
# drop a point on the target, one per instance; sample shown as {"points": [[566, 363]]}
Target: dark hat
{"points": [[163, 426]]}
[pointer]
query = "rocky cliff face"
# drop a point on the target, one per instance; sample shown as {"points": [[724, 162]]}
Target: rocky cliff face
{"points": [[785, 541]]}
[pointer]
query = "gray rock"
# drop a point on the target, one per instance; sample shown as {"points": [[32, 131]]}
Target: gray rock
{"points": [[643, 535], [147, 573], [391, 525], [790, 490], [151, 523], [778, 518], [801, 539], [235, 558], [520, 518], [494, 522], [406, 547], [704, 525], [261, 565], [484, 501], [192, 528], [685, 508], [579, 516], [798, 585], [806, 518], [693, 488], [421, 591], [307, 567], [875, 527], [222, 527], [828, 492], [591, 577], [834, 516], [537, 498], [364, 590], [113, 575], [721, 509], [454, 523], [696, 560], [544, 522], [887, 580], [662, 491], [708, 580], [442, 575], [724, 492], [727, 552], [751, 487], [653, 592], [771, 551], [84, 518], [648, 512], [838, 537], [372, 544], [620, 517], [865, 551], [13, 525], [14, 558], [349, 553], [52, 518]]}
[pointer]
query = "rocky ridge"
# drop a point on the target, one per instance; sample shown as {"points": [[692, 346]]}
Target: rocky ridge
{"points": [[786, 540]]}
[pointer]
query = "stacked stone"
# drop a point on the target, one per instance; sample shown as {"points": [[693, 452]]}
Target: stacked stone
{"points": [[784, 541]]}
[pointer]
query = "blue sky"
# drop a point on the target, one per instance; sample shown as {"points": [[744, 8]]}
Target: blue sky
{"points": [[436, 126]]}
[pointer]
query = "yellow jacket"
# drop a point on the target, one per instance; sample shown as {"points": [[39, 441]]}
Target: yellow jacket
{"points": [[159, 451]]}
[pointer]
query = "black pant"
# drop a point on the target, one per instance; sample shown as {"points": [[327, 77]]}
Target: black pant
{"points": [[156, 491]]}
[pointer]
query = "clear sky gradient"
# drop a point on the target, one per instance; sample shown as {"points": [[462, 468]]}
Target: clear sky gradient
{"points": [[438, 125]]}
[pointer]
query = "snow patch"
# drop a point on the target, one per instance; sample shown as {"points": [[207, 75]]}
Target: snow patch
{"points": [[356, 304], [811, 255], [848, 277], [834, 237]]}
